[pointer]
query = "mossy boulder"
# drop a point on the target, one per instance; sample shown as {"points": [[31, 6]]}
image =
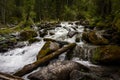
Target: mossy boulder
{"points": [[48, 48], [109, 54], [26, 35], [94, 38]]}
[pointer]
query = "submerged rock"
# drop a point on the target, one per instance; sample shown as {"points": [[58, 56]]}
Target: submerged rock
{"points": [[57, 71], [109, 54]]}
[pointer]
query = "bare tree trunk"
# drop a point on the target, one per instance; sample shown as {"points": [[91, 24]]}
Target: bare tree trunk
{"points": [[30, 67]]}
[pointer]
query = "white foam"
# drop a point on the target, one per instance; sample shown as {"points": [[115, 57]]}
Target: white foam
{"points": [[17, 58], [86, 63]]}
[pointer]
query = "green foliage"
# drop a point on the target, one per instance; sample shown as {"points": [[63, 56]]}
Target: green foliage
{"points": [[69, 14], [97, 12]]}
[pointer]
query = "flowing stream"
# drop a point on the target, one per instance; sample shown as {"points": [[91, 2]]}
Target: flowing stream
{"points": [[14, 60]]}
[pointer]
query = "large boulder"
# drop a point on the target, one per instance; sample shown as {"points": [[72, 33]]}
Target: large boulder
{"points": [[109, 54], [26, 35], [59, 70], [94, 38], [48, 48]]}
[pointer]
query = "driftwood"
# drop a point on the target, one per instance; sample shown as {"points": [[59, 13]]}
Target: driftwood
{"points": [[4, 76], [30, 67]]}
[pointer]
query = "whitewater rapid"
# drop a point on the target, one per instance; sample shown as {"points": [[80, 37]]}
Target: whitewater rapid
{"points": [[14, 60]]}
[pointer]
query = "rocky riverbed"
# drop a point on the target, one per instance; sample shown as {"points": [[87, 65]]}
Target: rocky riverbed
{"points": [[96, 53]]}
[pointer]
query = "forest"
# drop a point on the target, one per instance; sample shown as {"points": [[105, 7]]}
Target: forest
{"points": [[97, 12], [59, 39]]}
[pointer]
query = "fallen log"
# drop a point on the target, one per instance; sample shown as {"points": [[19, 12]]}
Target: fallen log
{"points": [[30, 67], [4, 76]]}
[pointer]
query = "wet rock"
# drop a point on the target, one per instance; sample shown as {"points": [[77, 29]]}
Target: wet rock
{"points": [[78, 37], [71, 33], [94, 38], [48, 48], [109, 54], [78, 22], [43, 32], [26, 35], [51, 32], [56, 71], [81, 52], [58, 25], [70, 23]]}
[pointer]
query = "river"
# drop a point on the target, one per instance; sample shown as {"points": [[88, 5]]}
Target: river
{"points": [[15, 59]]}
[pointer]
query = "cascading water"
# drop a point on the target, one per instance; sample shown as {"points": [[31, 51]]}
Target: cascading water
{"points": [[17, 58]]}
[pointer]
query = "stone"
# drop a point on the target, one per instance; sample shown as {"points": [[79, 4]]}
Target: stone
{"points": [[71, 34], [109, 54], [59, 70], [94, 38], [26, 35]]}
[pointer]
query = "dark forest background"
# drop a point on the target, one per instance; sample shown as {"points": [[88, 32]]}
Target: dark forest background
{"points": [[104, 13]]}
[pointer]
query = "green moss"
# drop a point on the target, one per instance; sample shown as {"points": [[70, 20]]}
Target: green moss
{"points": [[109, 54], [45, 50], [96, 55], [17, 28], [27, 34]]}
